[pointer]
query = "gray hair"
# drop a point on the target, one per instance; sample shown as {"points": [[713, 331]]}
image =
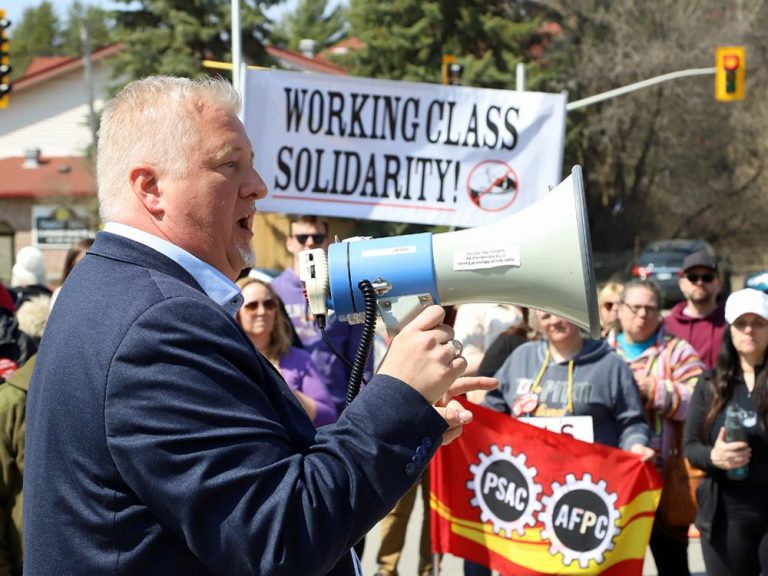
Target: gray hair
{"points": [[150, 121], [643, 283]]}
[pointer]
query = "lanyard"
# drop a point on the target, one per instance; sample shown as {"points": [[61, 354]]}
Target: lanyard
{"points": [[536, 387]]}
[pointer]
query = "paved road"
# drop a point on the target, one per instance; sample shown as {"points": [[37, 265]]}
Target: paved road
{"points": [[453, 566]]}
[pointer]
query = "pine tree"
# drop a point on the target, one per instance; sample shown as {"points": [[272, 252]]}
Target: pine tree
{"points": [[175, 36], [100, 26], [40, 33], [312, 20], [406, 39], [36, 34]]}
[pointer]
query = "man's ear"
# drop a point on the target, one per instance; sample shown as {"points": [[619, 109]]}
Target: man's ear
{"points": [[290, 242], [144, 183]]}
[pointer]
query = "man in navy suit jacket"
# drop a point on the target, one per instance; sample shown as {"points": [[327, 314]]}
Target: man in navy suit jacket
{"points": [[158, 440]]}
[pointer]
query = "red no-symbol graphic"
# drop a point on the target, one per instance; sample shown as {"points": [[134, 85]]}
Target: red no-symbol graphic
{"points": [[493, 185]]}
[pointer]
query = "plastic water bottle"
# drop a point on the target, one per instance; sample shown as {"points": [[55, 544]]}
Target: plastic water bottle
{"points": [[735, 432]]}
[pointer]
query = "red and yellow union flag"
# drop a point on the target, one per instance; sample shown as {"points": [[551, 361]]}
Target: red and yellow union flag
{"points": [[522, 500]]}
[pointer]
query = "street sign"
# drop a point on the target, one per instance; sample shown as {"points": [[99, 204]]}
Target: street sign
{"points": [[59, 227]]}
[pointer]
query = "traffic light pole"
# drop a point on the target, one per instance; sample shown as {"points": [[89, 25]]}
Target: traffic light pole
{"points": [[639, 86]]}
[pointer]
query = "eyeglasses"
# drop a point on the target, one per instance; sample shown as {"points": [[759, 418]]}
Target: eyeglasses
{"points": [[316, 238], [707, 277], [610, 305], [269, 305], [635, 309]]}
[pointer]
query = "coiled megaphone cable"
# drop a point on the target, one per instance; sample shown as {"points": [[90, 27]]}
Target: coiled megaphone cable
{"points": [[366, 340], [357, 368]]}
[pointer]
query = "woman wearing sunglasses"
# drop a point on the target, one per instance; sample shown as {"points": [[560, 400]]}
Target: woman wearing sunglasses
{"points": [[608, 299], [267, 325], [732, 402]]}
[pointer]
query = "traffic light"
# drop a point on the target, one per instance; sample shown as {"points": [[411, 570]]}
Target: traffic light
{"points": [[730, 72], [5, 66], [451, 70]]}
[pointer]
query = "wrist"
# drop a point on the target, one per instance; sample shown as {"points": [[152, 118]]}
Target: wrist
{"points": [[714, 457]]}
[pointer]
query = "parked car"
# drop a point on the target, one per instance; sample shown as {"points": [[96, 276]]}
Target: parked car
{"points": [[757, 280], [662, 261]]}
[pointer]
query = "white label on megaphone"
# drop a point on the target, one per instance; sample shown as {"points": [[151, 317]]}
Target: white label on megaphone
{"points": [[389, 251], [482, 258]]}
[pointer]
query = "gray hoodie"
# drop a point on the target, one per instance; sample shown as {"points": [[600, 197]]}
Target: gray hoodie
{"points": [[603, 387]]}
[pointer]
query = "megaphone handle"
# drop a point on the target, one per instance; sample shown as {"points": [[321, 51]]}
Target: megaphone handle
{"points": [[397, 312]]}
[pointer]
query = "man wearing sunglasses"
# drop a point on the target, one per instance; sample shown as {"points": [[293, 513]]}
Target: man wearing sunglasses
{"points": [[306, 233], [700, 319]]}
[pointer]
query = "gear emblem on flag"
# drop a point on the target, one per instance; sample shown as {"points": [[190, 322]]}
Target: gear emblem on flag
{"points": [[580, 520], [505, 490]]}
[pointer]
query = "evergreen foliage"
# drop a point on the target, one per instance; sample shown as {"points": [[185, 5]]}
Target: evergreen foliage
{"points": [[37, 34], [406, 39], [174, 36], [100, 27], [41, 33]]}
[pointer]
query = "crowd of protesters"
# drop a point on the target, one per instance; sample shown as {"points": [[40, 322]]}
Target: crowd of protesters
{"points": [[652, 373], [684, 368]]}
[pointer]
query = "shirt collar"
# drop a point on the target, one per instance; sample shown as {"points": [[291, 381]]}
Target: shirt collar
{"points": [[217, 287]]}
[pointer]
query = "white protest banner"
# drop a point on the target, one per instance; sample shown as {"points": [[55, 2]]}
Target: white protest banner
{"points": [[401, 151]]}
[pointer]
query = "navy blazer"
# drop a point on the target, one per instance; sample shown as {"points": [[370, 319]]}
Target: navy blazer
{"points": [[160, 442]]}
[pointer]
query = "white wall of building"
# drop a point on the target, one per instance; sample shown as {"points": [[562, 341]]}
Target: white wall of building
{"points": [[53, 115]]}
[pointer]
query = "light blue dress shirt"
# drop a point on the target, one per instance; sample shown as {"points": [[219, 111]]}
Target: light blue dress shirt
{"points": [[218, 287]]}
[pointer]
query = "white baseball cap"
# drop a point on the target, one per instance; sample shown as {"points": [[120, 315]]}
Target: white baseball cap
{"points": [[746, 301]]}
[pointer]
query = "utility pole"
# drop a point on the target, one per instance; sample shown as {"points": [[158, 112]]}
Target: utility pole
{"points": [[236, 38], [85, 38], [520, 77]]}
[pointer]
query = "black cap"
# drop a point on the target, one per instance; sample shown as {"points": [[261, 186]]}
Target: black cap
{"points": [[700, 258]]}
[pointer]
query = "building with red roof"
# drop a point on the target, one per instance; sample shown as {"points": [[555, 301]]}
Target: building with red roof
{"points": [[45, 138]]}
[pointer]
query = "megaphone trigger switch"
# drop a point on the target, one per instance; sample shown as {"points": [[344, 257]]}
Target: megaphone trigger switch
{"points": [[313, 272]]}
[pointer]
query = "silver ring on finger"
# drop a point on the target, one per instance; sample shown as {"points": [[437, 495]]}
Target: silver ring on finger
{"points": [[457, 346]]}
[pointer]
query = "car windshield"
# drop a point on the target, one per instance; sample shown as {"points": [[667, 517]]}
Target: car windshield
{"points": [[665, 258]]}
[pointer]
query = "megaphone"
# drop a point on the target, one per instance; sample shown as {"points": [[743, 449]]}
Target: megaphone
{"points": [[540, 257]]}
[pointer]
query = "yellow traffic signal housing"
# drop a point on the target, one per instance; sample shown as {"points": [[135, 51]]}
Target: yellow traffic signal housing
{"points": [[447, 62], [5, 66], [730, 73], [450, 70]]}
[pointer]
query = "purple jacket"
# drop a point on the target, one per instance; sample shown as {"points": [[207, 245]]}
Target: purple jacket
{"points": [[300, 373], [345, 338]]}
